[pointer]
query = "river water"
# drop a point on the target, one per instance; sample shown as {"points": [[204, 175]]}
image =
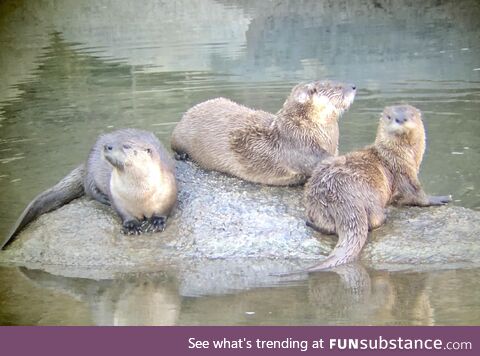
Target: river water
{"points": [[73, 69]]}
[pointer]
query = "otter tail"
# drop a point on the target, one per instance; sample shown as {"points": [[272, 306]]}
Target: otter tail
{"points": [[69, 188], [352, 228]]}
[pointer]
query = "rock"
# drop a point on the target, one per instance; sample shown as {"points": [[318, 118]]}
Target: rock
{"points": [[224, 226]]}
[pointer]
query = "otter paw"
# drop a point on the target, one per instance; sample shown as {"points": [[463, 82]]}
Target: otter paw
{"points": [[103, 199], [157, 223], [181, 156], [440, 200], [132, 227]]}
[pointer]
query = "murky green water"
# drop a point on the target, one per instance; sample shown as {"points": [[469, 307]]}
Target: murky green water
{"points": [[73, 69], [435, 298]]}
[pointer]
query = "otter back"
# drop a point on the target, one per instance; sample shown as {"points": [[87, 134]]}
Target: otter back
{"points": [[261, 147]]}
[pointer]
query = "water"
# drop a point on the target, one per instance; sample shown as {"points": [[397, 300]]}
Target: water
{"points": [[414, 298], [71, 70]]}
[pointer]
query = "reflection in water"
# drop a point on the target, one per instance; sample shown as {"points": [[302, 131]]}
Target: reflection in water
{"points": [[71, 70], [350, 296], [141, 299]]}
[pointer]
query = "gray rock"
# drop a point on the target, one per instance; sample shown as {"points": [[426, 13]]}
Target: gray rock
{"points": [[224, 227]]}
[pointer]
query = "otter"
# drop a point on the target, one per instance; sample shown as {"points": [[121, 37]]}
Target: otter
{"points": [[128, 169], [261, 147], [347, 195], [137, 177]]}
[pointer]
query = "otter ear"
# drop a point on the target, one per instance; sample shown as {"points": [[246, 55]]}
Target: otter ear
{"points": [[303, 94]]}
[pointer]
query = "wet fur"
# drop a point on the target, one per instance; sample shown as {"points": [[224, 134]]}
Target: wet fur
{"points": [[347, 195], [261, 147]]}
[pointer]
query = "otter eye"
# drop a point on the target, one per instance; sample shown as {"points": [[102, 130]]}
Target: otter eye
{"points": [[148, 150], [389, 117]]}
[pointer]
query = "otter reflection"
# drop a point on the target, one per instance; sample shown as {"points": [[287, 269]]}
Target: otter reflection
{"points": [[133, 299], [352, 294], [347, 295]]}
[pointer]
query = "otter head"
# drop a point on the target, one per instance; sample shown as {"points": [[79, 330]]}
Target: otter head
{"points": [[131, 157], [401, 126], [321, 100]]}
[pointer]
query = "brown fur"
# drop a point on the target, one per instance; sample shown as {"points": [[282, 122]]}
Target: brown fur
{"points": [[346, 195], [261, 147], [130, 169]]}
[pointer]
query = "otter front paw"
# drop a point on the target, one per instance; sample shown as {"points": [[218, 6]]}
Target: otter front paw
{"points": [[180, 156], [103, 199], [157, 223], [439, 200], [132, 227]]}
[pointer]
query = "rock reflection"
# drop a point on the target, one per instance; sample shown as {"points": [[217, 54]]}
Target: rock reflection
{"points": [[133, 299]]}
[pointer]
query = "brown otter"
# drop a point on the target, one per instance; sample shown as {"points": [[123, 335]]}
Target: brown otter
{"points": [[346, 195], [127, 168], [261, 147], [136, 176]]}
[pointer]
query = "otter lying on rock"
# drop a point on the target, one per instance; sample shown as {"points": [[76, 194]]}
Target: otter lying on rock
{"points": [[261, 147], [346, 195], [128, 169]]}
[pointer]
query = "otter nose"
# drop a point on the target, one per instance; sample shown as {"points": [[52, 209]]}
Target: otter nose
{"points": [[107, 147], [400, 120]]}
